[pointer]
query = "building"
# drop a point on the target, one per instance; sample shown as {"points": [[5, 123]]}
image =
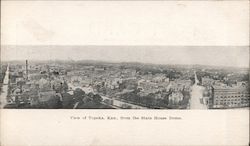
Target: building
{"points": [[206, 81], [44, 84], [230, 97], [180, 85], [36, 76], [160, 78], [175, 98], [113, 83], [152, 87]]}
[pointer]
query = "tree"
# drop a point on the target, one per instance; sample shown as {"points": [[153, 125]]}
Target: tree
{"points": [[97, 98], [78, 94], [90, 94], [67, 101], [54, 103]]}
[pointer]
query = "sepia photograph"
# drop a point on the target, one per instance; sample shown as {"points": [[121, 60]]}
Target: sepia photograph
{"points": [[124, 73], [125, 77]]}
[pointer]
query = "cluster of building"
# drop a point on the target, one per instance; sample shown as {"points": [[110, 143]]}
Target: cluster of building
{"points": [[35, 84], [115, 81], [38, 83], [161, 85]]}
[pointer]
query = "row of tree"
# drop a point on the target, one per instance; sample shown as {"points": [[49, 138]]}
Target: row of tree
{"points": [[152, 101], [79, 99]]}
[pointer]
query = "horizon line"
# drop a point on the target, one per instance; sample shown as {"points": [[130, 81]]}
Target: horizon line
{"points": [[120, 62]]}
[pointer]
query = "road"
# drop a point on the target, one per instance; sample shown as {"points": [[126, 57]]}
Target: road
{"points": [[4, 93], [116, 103], [196, 96]]}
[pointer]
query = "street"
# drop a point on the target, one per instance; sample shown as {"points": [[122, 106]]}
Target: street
{"points": [[4, 93], [116, 103], [196, 96]]}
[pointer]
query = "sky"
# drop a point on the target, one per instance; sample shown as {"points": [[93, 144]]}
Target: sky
{"points": [[161, 32], [171, 23], [204, 55]]}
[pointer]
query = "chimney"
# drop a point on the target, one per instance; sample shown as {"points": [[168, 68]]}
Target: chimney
{"points": [[27, 70]]}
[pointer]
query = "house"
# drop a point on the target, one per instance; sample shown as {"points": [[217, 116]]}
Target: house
{"points": [[175, 97]]}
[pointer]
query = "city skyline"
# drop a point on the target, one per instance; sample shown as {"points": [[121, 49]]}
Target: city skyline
{"points": [[101, 85], [181, 55]]}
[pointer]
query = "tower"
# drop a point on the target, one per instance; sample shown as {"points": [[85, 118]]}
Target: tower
{"points": [[49, 75], [27, 70]]}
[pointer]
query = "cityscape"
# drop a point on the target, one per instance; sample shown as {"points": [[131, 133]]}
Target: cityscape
{"points": [[98, 84]]}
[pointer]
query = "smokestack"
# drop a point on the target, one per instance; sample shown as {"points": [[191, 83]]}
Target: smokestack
{"points": [[27, 70], [49, 75]]}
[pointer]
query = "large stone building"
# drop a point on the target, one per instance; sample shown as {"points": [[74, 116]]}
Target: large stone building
{"points": [[230, 97]]}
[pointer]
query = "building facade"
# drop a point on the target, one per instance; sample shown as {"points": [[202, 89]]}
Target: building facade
{"points": [[230, 97]]}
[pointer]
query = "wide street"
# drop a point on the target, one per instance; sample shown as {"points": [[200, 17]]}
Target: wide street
{"points": [[4, 93], [196, 96]]}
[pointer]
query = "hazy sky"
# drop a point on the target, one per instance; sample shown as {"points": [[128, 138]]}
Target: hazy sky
{"points": [[47, 24], [226, 56]]}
